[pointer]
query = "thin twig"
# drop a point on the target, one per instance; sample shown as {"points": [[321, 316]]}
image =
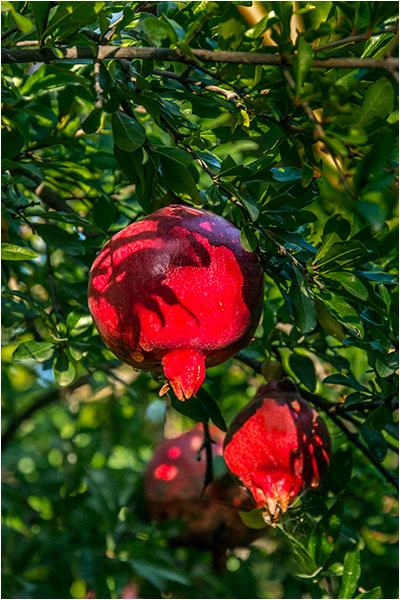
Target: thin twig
{"points": [[230, 96], [318, 126], [9, 32], [283, 251], [207, 446], [319, 132], [358, 424], [53, 293], [97, 85], [238, 90], [354, 39], [111, 30]]}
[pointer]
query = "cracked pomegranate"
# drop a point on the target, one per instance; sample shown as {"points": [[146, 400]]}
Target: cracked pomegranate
{"points": [[278, 446], [176, 291], [173, 487]]}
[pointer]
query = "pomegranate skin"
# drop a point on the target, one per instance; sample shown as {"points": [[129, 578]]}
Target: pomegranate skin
{"points": [[176, 291], [278, 446], [173, 486]]}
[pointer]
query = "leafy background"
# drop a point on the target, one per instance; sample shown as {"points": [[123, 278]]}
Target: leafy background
{"points": [[303, 160]]}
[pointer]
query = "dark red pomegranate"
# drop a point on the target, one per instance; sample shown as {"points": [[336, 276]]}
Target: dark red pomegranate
{"points": [[278, 446], [173, 488], [176, 290]]}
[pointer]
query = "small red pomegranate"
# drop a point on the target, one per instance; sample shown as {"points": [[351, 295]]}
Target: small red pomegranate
{"points": [[173, 488], [278, 446], [176, 290]]}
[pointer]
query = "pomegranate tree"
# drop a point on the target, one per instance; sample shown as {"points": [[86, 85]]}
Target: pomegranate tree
{"points": [[173, 488], [176, 292], [278, 446]]}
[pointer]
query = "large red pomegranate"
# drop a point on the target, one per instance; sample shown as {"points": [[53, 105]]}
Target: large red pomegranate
{"points": [[278, 446], [176, 290], [173, 487]]}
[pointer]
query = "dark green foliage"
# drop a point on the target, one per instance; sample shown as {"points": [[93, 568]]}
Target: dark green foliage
{"points": [[86, 151]]}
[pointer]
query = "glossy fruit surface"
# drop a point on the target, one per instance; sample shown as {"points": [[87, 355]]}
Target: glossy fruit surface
{"points": [[173, 489], [278, 446], [176, 291]]}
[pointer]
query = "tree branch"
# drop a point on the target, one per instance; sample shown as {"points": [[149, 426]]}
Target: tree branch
{"points": [[354, 39], [230, 96], [83, 53]]}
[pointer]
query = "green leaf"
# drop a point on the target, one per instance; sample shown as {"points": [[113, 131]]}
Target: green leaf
{"points": [[323, 539], [128, 134], [351, 283], [378, 101], [303, 557], [376, 592], [63, 370], [303, 304], [77, 323], [181, 182], [14, 252], [39, 351], [351, 574], [340, 469], [12, 143], [378, 276], [303, 367], [182, 158], [190, 408], [253, 518], [286, 173], [345, 380], [342, 253], [104, 211], [92, 122], [157, 573], [337, 229], [343, 312], [387, 365], [158, 30], [23, 23], [248, 239], [375, 441], [70, 16], [40, 12], [59, 238], [302, 61], [211, 408], [251, 208]]}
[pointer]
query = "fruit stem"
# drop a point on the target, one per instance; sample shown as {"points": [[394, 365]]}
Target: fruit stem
{"points": [[207, 446]]}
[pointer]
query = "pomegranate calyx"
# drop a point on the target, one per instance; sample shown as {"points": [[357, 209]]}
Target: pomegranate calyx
{"points": [[185, 370]]}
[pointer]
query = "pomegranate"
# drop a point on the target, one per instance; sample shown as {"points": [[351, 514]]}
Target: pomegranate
{"points": [[173, 488], [176, 291], [278, 446], [130, 591]]}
